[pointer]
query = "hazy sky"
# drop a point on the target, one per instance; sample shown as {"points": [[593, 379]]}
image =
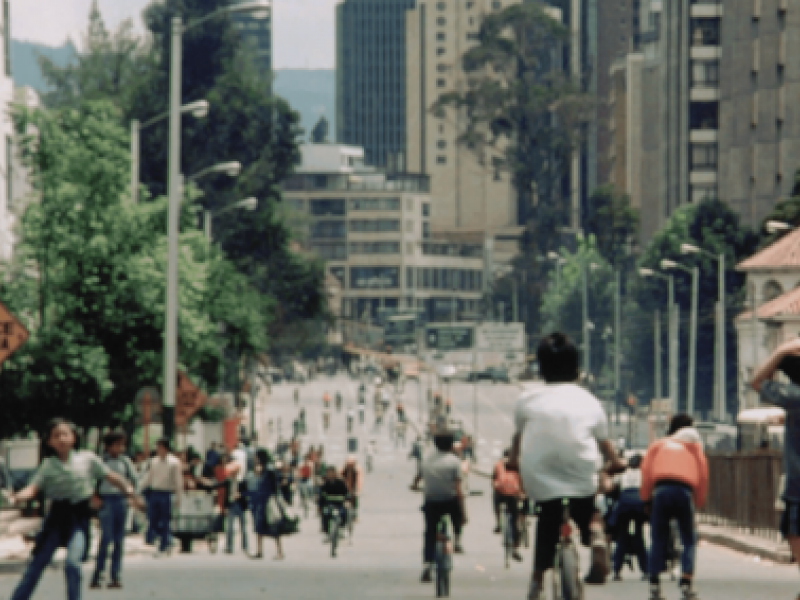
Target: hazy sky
{"points": [[303, 29]]}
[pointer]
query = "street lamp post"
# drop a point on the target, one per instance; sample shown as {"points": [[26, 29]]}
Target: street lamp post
{"points": [[198, 110], [259, 9], [672, 333], [692, 379], [720, 396], [249, 204]]}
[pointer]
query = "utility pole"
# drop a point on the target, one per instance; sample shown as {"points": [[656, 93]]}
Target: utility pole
{"points": [[617, 339]]}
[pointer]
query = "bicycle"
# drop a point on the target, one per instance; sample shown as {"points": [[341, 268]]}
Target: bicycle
{"points": [[334, 522], [443, 559], [567, 583], [507, 532]]}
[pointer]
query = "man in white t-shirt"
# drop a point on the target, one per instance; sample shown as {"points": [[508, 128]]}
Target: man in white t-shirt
{"points": [[561, 433]]}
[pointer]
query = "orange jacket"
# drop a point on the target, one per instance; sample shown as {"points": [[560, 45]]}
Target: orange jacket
{"points": [[677, 458]]}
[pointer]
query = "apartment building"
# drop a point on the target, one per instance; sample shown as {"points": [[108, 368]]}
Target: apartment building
{"points": [[373, 230], [256, 34]]}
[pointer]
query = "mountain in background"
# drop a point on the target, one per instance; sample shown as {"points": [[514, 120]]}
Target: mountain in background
{"points": [[309, 92]]}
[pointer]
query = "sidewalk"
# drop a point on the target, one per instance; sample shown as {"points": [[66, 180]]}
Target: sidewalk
{"points": [[763, 548]]}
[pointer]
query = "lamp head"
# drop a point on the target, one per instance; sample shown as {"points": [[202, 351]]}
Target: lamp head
{"points": [[668, 264], [231, 169], [776, 226], [258, 9], [553, 256], [689, 249], [249, 204], [645, 272], [199, 109]]}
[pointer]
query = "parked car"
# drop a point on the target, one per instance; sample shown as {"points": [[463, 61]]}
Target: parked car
{"points": [[493, 374]]}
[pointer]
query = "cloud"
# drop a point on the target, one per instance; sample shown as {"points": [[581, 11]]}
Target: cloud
{"points": [[304, 30]]}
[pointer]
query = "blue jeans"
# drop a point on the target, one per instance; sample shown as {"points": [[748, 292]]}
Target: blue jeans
{"points": [[672, 501], [72, 566], [235, 513], [113, 515], [159, 513]]}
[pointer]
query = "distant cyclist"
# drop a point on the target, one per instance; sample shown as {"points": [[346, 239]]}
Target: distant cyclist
{"points": [[332, 497], [361, 413], [507, 491], [296, 396], [326, 400], [441, 472], [338, 402], [561, 432], [351, 416]]}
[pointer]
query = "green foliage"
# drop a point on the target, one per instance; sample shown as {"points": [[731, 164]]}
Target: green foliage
{"points": [[614, 224], [246, 124], [786, 211], [93, 265]]}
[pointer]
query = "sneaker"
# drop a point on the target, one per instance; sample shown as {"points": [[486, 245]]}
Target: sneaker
{"points": [[535, 593], [687, 593], [115, 584], [497, 529], [458, 548], [95, 585], [158, 554], [617, 576], [516, 556], [655, 592], [426, 575]]}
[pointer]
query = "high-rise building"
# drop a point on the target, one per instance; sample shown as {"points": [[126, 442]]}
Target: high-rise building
{"points": [[471, 193], [7, 152], [759, 133], [256, 32], [371, 78]]}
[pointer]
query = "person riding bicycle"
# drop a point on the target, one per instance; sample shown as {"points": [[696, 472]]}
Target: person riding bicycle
{"points": [[441, 472], [507, 490], [675, 481], [561, 432], [296, 396], [361, 413], [629, 510], [332, 498], [338, 399], [326, 400], [353, 476], [351, 416]]}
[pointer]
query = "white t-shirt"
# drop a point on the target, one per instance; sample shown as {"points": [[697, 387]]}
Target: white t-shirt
{"points": [[560, 425]]}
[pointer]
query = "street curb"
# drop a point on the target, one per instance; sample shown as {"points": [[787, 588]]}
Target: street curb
{"points": [[764, 549]]}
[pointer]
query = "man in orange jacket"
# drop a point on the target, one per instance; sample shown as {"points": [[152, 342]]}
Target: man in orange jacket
{"points": [[675, 481]]}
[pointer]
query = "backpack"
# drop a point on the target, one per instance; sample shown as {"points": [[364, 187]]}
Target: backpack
{"points": [[507, 484]]}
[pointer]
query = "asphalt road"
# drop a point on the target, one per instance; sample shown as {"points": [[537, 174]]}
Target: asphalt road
{"points": [[384, 559]]}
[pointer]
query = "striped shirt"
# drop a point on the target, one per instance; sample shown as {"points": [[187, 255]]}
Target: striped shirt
{"points": [[74, 480]]}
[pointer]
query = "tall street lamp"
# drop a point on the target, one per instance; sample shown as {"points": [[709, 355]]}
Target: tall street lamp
{"points": [[667, 264], [260, 10], [198, 110], [672, 331], [720, 396], [587, 326], [249, 204]]}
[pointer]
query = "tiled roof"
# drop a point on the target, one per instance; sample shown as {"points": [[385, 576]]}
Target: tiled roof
{"points": [[783, 254], [782, 306]]}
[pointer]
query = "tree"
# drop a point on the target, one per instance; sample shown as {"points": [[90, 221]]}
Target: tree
{"points": [[89, 279], [713, 226], [523, 114], [614, 224], [246, 123], [786, 211]]}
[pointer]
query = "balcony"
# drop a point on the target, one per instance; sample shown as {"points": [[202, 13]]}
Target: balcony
{"points": [[706, 8], [455, 250], [357, 183]]}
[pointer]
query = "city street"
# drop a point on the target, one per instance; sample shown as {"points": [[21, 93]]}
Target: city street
{"points": [[384, 559]]}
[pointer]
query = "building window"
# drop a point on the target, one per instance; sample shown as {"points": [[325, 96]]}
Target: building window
{"points": [[409, 277], [497, 5], [374, 226], [325, 208], [441, 21], [369, 248], [441, 6], [704, 156], [440, 37], [442, 68], [441, 160], [470, 5], [329, 229], [426, 209], [441, 83], [705, 32], [330, 251], [362, 278], [700, 193], [704, 115], [705, 73], [441, 144], [426, 230], [439, 51], [297, 204], [385, 204], [473, 36]]}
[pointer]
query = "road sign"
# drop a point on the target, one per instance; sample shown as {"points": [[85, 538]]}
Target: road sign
{"points": [[12, 334], [188, 400], [446, 338], [500, 337]]}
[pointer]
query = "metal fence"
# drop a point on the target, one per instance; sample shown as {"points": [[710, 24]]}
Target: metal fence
{"points": [[742, 491]]}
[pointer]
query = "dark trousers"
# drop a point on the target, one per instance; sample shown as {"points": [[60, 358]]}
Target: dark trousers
{"points": [[434, 511], [113, 515], [672, 501], [512, 506], [160, 514]]}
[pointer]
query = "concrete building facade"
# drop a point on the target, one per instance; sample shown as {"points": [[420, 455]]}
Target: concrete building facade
{"points": [[471, 193], [371, 78], [625, 131], [7, 152], [373, 230], [759, 144]]}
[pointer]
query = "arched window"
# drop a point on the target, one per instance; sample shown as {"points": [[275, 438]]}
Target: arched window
{"points": [[772, 289]]}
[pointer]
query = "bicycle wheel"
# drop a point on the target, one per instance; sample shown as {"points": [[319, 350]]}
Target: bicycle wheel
{"points": [[213, 543], [334, 534], [569, 574], [442, 581], [508, 535]]}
